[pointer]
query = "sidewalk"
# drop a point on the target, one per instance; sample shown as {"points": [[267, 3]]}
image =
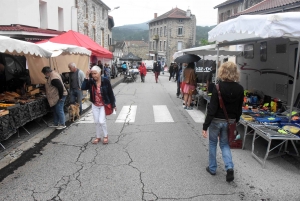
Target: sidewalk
{"points": [[22, 143]]}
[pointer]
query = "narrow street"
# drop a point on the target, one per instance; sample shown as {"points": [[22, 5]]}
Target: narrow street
{"points": [[155, 152]]}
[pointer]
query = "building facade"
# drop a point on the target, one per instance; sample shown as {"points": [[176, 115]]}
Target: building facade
{"points": [[94, 21], [171, 32], [34, 20], [138, 48]]}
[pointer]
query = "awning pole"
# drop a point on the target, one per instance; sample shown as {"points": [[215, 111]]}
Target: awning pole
{"points": [[295, 80], [217, 64], [203, 73]]}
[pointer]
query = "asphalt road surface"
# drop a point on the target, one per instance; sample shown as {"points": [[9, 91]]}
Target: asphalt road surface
{"points": [[155, 152]]}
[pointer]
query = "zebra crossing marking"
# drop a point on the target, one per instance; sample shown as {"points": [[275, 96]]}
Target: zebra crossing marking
{"points": [[196, 115], [162, 114], [127, 114]]}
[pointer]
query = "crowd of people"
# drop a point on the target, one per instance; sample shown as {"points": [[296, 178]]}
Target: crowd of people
{"points": [[97, 82]]}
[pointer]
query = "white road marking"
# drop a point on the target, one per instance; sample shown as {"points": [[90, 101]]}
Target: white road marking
{"points": [[162, 114], [127, 114], [197, 115]]}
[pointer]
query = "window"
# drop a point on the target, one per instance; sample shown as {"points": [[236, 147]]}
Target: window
{"points": [[94, 33], [263, 51], [102, 37], [60, 19], [85, 9], [179, 45], [165, 31], [180, 20], [150, 32], [156, 31], [103, 13], [228, 14], [43, 15], [94, 13], [165, 46], [160, 46], [220, 17], [248, 51], [85, 31], [160, 31], [108, 39], [153, 43], [153, 33], [180, 31]]}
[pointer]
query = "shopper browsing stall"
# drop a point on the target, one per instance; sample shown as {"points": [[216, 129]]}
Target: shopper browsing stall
{"points": [[76, 79], [56, 95]]}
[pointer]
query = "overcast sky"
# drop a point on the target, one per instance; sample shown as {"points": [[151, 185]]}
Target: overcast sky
{"points": [[139, 11]]}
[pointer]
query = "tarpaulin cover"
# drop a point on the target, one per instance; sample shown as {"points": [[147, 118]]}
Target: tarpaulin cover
{"points": [[75, 38]]}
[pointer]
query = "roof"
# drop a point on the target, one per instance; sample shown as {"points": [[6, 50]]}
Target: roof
{"points": [[136, 43], [120, 44], [17, 27], [226, 3], [267, 5], [174, 13], [130, 57]]}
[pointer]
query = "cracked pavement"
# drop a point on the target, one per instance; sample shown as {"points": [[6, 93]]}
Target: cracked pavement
{"points": [[144, 161]]}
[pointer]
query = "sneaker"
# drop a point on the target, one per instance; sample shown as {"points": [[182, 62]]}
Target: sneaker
{"points": [[230, 175], [52, 125], [190, 108], [185, 107], [208, 170], [61, 127]]}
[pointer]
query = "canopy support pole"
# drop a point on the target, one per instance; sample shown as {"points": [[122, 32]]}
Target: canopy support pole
{"points": [[295, 80], [203, 73], [217, 64]]}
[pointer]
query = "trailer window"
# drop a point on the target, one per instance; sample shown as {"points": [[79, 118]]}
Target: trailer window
{"points": [[263, 51], [248, 51]]}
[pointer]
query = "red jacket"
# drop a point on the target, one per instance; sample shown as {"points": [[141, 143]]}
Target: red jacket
{"points": [[142, 69]]}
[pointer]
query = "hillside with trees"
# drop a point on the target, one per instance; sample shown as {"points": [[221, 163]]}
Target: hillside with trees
{"points": [[140, 32]]}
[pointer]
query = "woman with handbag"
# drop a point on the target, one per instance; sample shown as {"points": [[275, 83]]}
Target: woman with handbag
{"points": [[103, 101], [190, 83], [219, 118]]}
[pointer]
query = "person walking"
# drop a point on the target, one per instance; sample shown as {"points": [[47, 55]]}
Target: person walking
{"points": [[178, 81], [56, 94], [76, 79], [190, 83], [232, 94], [156, 69], [124, 68], [143, 71], [100, 65], [107, 71], [171, 71], [210, 79], [101, 94]]}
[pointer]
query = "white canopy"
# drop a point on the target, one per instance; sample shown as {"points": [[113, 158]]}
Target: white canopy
{"points": [[57, 49], [210, 50], [257, 27], [18, 47], [247, 28]]}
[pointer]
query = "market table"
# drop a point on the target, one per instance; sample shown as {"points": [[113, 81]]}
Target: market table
{"points": [[19, 116], [268, 134]]}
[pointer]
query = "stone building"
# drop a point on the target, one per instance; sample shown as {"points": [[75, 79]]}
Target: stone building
{"points": [[138, 48], [94, 21], [233, 8], [168, 33]]}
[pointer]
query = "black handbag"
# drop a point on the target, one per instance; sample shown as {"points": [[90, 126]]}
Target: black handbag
{"points": [[231, 126]]}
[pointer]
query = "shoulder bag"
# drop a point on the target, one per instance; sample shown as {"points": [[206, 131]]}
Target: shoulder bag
{"points": [[231, 126]]}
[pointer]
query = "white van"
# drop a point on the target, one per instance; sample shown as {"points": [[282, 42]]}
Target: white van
{"points": [[149, 64]]}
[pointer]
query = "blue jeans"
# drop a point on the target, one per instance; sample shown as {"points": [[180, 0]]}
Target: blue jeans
{"points": [[76, 96], [216, 129], [58, 112]]}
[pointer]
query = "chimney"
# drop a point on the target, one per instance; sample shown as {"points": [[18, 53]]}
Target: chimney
{"points": [[188, 13], [155, 15]]}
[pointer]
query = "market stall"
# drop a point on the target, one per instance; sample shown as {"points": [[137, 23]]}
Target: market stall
{"points": [[17, 110], [62, 55], [256, 28]]}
